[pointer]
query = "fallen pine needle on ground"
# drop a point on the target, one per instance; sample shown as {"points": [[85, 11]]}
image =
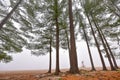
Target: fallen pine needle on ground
{"points": [[42, 75]]}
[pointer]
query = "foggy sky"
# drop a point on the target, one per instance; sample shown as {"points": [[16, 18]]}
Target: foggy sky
{"points": [[27, 61]]}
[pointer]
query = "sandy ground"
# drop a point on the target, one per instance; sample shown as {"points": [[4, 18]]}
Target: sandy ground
{"points": [[21, 75], [85, 74]]}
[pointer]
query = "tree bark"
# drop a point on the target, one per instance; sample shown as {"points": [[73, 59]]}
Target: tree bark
{"points": [[101, 57], [104, 45], [57, 48], [50, 56], [69, 50], [57, 70], [91, 60], [9, 15], [73, 54], [113, 58]]}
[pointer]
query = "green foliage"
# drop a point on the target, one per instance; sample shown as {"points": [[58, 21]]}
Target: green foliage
{"points": [[36, 23], [5, 58], [44, 28], [11, 38]]}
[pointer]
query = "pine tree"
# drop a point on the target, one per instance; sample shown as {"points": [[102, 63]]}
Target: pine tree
{"points": [[73, 53], [11, 39], [89, 8], [9, 14]]}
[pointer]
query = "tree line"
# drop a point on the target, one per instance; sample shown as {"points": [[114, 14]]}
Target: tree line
{"points": [[41, 25]]}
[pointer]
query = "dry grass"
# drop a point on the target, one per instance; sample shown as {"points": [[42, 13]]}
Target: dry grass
{"points": [[85, 74]]}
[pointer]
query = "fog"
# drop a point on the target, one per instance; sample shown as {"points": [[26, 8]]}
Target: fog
{"points": [[27, 61]]}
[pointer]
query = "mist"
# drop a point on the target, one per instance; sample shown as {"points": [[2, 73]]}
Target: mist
{"points": [[26, 61]]}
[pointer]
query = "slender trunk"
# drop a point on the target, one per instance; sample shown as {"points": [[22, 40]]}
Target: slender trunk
{"points": [[91, 60], [74, 64], [101, 57], [50, 56], [104, 45], [113, 58], [57, 70], [68, 48], [9, 15], [57, 48]]}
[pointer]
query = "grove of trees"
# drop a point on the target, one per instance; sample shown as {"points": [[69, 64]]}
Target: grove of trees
{"points": [[41, 25]]}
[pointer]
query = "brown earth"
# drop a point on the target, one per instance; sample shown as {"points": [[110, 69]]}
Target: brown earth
{"points": [[42, 75]]}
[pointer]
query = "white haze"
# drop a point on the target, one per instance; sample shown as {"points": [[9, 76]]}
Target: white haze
{"points": [[26, 61]]}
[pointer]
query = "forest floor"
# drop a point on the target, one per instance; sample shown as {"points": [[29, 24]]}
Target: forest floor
{"points": [[85, 74]]}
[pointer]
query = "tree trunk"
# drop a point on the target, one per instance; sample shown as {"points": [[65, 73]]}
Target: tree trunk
{"points": [[91, 60], [69, 50], [50, 56], [113, 58], [104, 45], [73, 54], [9, 15], [57, 70], [101, 57], [57, 48]]}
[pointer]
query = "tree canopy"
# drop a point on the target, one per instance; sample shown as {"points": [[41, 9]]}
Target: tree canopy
{"points": [[40, 25]]}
